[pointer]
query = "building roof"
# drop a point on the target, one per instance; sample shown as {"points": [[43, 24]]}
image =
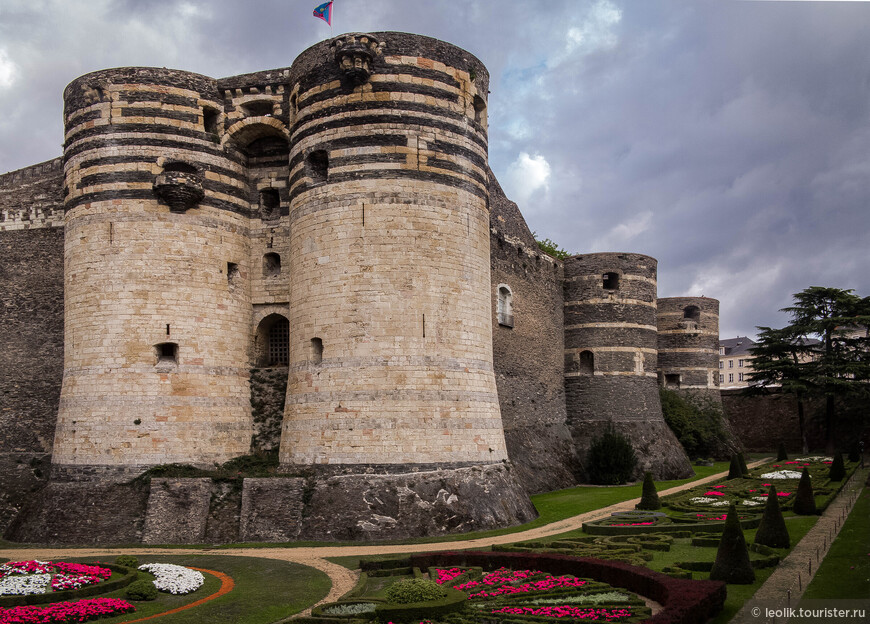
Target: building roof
{"points": [[737, 346]]}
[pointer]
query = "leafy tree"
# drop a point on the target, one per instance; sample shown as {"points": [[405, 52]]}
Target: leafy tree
{"points": [[551, 248], [838, 365]]}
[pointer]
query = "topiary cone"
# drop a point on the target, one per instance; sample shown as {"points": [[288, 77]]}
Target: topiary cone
{"points": [[649, 498], [734, 471], [772, 530], [732, 559], [805, 499], [744, 469], [838, 468], [781, 455]]}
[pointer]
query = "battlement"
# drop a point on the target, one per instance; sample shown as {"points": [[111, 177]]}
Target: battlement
{"points": [[32, 197]]}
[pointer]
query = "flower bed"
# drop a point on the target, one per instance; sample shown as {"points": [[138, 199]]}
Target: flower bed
{"points": [[174, 579], [684, 601], [63, 612], [27, 578]]}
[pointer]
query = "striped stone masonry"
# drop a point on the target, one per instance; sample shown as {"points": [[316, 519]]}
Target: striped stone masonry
{"points": [[688, 344]]}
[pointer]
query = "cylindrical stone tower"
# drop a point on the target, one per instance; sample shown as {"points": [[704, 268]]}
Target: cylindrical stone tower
{"points": [[610, 358], [156, 277], [391, 349], [688, 344]]}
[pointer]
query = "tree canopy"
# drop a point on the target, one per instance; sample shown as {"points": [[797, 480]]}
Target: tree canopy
{"points": [[823, 353]]}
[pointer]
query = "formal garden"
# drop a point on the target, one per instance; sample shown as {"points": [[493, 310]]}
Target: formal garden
{"points": [[651, 564]]}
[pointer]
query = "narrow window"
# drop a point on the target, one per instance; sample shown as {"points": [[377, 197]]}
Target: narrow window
{"points": [[692, 313], [672, 381], [730, 377], [611, 281], [504, 306], [318, 166], [232, 273], [270, 204], [167, 353], [479, 109], [721, 378], [730, 363], [740, 363], [587, 363], [316, 350], [721, 364], [271, 265], [210, 119], [739, 376]]}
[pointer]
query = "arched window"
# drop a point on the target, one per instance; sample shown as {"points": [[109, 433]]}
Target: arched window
{"points": [[272, 342], [504, 306], [271, 265], [587, 363]]}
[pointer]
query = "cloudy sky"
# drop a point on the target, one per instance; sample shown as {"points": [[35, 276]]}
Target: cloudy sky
{"points": [[728, 139]]}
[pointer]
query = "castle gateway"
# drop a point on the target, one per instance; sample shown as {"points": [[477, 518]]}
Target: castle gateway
{"points": [[315, 261]]}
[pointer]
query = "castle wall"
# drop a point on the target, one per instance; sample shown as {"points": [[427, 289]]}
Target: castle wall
{"points": [[611, 356], [528, 354], [31, 327], [688, 344], [391, 349], [141, 273]]}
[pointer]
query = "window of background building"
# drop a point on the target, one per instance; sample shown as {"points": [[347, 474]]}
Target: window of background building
{"points": [[730, 377], [721, 378], [730, 363], [740, 363], [740, 376], [721, 364]]}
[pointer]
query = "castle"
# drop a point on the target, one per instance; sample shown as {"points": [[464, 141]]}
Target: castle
{"points": [[315, 259]]}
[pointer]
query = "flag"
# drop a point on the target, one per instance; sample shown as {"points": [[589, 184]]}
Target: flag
{"points": [[324, 12]]}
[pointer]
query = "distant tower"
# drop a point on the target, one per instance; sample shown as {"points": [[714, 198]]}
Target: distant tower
{"points": [[391, 348], [688, 344], [156, 278], [610, 358]]}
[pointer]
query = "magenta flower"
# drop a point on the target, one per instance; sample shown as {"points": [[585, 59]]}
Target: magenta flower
{"points": [[714, 493]]}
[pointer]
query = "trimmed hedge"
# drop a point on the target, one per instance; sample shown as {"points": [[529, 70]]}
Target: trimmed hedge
{"points": [[455, 600], [685, 601], [109, 585]]}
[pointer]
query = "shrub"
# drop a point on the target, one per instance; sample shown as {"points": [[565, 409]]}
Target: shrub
{"points": [[128, 561], [838, 468], [695, 421], [772, 530], [805, 498], [407, 591], [142, 589], [781, 455], [611, 459], [732, 559], [734, 470], [744, 469], [649, 499]]}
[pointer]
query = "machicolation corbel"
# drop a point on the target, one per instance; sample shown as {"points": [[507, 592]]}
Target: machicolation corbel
{"points": [[355, 54], [180, 190]]}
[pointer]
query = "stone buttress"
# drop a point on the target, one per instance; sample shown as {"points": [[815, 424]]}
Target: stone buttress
{"points": [[610, 358]]}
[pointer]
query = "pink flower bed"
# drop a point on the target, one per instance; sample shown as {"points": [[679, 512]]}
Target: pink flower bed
{"points": [[63, 612], [65, 575], [714, 493], [502, 581], [578, 613], [445, 576]]}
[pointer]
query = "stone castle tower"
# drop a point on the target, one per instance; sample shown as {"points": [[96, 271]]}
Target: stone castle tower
{"points": [[315, 261], [688, 344]]}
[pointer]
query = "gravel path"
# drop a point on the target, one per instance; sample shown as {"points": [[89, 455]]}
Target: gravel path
{"points": [[343, 579]]}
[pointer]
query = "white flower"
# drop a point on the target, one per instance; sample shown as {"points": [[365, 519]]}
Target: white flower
{"points": [[815, 458], [781, 474], [702, 500], [719, 503], [174, 579], [752, 503], [759, 498], [18, 585]]}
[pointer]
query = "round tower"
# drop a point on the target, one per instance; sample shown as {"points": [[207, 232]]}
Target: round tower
{"points": [[688, 344], [391, 353], [610, 358], [156, 277]]}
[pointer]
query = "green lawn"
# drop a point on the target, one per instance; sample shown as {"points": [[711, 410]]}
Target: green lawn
{"points": [[265, 591], [845, 571]]}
